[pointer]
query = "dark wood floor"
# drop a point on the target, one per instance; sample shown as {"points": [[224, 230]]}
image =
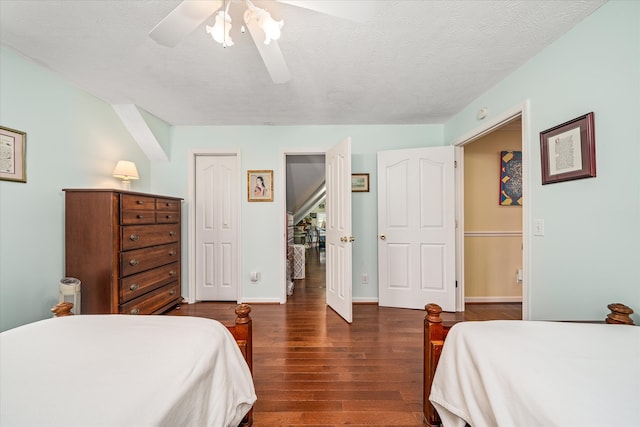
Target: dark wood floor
{"points": [[312, 368]]}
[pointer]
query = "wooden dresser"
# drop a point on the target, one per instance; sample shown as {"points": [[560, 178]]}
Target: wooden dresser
{"points": [[125, 249]]}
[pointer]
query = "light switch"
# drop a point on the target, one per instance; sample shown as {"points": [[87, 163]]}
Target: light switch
{"points": [[538, 227]]}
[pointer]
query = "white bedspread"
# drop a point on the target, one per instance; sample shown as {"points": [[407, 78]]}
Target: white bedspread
{"points": [[116, 370], [520, 374]]}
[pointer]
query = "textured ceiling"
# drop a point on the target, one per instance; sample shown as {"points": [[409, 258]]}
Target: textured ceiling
{"points": [[414, 62]]}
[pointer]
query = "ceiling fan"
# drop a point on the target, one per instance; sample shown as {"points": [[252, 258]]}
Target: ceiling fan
{"points": [[264, 30]]}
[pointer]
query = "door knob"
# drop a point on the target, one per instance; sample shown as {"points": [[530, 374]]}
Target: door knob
{"points": [[383, 237]]}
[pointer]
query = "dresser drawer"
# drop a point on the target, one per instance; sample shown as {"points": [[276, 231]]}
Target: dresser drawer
{"points": [[141, 236], [168, 205], [137, 217], [167, 217], [133, 202], [133, 286], [139, 260], [153, 301]]}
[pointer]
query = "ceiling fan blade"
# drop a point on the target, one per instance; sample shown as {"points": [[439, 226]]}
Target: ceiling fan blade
{"points": [[270, 53], [358, 11], [183, 20]]}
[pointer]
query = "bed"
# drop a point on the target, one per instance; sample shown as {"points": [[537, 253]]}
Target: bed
{"points": [[532, 373], [117, 370]]}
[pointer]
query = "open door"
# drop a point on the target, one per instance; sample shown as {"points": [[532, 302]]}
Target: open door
{"points": [[338, 230], [416, 228]]}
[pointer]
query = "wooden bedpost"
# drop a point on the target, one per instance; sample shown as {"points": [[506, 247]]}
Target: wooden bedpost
{"points": [[243, 333], [620, 314], [434, 334], [62, 309]]}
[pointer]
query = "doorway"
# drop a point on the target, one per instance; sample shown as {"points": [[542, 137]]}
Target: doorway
{"points": [[493, 216], [305, 205], [508, 118]]}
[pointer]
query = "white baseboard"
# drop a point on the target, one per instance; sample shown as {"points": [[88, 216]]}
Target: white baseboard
{"points": [[363, 300], [261, 300], [492, 299]]}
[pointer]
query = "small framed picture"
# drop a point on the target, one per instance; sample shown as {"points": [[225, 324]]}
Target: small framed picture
{"points": [[568, 151], [260, 186], [360, 182], [13, 155]]}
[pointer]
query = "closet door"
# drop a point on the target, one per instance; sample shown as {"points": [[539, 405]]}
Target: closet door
{"points": [[216, 225]]}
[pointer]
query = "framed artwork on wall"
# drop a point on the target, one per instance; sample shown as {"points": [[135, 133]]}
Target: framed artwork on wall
{"points": [[568, 151], [511, 178], [13, 155], [359, 182], [260, 185]]}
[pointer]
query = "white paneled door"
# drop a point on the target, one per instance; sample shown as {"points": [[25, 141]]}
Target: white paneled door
{"points": [[416, 228], [338, 230], [216, 225]]}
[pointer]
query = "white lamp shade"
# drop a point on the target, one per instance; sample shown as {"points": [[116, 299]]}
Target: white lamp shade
{"points": [[125, 170]]}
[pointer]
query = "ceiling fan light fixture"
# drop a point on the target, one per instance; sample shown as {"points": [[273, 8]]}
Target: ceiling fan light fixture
{"points": [[221, 28], [271, 27]]}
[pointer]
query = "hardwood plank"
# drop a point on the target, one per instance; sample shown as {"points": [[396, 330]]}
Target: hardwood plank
{"points": [[312, 368]]}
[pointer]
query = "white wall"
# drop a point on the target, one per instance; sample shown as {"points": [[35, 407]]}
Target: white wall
{"points": [[73, 141], [588, 256]]}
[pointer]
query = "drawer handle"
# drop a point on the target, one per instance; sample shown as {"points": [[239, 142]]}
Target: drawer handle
{"points": [[172, 292], [134, 262], [134, 287], [172, 273], [134, 237], [135, 311], [172, 233], [139, 216], [168, 204], [172, 252], [140, 202], [169, 216]]}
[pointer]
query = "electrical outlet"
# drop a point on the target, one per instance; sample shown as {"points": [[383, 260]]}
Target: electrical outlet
{"points": [[365, 278]]}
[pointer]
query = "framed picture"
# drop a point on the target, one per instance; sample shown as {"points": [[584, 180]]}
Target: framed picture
{"points": [[360, 182], [13, 155], [568, 151], [511, 178], [260, 186]]}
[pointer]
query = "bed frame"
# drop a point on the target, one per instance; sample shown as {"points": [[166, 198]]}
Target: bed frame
{"points": [[243, 333], [241, 330], [435, 333]]}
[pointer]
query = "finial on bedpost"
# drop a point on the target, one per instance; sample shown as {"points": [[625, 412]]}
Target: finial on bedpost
{"points": [[433, 313], [242, 311], [620, 314], [62, 309]]}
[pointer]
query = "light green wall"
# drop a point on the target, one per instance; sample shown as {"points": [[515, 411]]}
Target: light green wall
{"points": [[589, 254], [160, 129], [73, 140], [263, 147]]}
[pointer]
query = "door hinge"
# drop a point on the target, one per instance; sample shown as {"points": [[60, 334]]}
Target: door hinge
{"points": [[455, 164], [456, 283]]}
